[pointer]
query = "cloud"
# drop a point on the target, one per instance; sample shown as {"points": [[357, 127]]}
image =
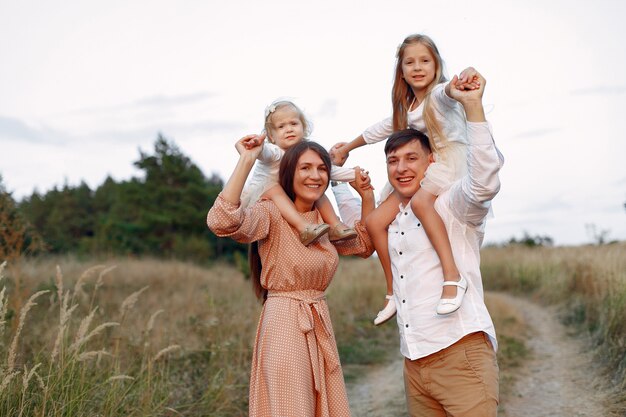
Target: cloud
{"points": [[531, 134], [161, 100], [16, 129], [556, 204], [170, 130], [328, 109], [157, 101], [600, 90], [12, 129]]}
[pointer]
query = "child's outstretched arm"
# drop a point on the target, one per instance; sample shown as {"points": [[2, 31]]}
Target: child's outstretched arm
{"points": [[342, 149]]}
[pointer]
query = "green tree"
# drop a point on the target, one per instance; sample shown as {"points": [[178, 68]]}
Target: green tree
{"points": [[162, 212], [175, 195], [17, 236], [64, 217]]}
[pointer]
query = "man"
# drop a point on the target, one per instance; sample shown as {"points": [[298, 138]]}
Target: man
{"points": [[450, 364]]}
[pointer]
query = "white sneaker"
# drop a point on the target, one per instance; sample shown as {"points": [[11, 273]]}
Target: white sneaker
{"points": [[386, 313], [450, 305]]}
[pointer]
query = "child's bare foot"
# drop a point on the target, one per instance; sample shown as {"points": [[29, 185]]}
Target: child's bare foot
{"points": [[341, 232], [312, 232], [386, 313]]}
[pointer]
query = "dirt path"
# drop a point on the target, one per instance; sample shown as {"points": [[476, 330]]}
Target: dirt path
{"points": [[379, 392], [560, 379], [557, 381]]}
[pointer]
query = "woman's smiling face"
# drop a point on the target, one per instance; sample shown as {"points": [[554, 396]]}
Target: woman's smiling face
{"points": [[310, 180]]}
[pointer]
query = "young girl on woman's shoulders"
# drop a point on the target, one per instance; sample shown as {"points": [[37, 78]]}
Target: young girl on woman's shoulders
{"points": [[285, 126]]}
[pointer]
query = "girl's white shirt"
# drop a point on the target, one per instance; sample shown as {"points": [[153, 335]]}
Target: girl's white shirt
{"points": [[451, 159], [266, 169], [449, 114]]}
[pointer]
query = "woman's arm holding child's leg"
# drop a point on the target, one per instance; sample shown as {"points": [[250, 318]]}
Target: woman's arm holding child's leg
{"points": [[309, 232]]}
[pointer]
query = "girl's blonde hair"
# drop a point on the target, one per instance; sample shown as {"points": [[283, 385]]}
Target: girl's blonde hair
{"points": [[278, 104], [402, 95]]}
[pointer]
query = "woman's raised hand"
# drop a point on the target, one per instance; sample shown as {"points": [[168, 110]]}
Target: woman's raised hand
{"points": [[362, 181]]}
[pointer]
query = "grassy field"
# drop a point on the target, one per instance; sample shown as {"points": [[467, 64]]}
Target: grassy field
{"points": [[149, 337]]}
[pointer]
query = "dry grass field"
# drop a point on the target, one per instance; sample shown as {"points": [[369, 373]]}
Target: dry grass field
{"points": [[149, 337]]}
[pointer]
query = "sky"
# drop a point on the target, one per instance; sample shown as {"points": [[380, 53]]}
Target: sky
{"points": [[86, 85]]}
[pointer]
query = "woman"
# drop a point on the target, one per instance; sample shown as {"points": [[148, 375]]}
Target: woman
{"points": [[295, 363]]}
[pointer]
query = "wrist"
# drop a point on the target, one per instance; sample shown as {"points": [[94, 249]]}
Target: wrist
{"points": [[247, 160], [366, 194], [474, 110], [247, 157]]}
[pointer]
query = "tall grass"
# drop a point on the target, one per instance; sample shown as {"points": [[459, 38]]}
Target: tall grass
{"points": [[144, 338], [148, 337], [588, 281]]}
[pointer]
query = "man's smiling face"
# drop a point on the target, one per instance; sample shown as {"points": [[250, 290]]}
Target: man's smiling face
{"points": [[406, 166]]}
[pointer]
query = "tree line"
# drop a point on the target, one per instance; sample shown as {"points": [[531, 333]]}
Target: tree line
{"points": [[162, 213]]}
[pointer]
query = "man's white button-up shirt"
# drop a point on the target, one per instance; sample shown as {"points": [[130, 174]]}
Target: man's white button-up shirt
{"points": [[417, 272]]}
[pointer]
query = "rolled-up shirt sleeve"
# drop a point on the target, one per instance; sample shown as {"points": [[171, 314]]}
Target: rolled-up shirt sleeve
{"points": [[338, 173], [361, 245], [227, 219], [470, 197]]}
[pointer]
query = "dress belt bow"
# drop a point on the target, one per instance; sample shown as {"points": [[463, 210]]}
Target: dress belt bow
{"points": [[319, 341]]}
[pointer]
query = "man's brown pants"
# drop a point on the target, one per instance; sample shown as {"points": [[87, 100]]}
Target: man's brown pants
{"points": [[459, 381]]}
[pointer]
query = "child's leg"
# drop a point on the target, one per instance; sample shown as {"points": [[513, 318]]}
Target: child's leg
{"points": [[423, 205], [377, 223], [338, 230], [327, 211], [308, 232]]}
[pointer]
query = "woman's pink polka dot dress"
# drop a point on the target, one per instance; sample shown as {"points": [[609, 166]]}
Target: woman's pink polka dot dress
{"points": [[295, 364]]}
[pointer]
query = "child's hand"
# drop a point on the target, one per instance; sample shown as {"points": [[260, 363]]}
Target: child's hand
{"points": [[468, 80], [367, 181], [250, 142], [362, 181], [255, 140], [466, 95], [338, 154]]}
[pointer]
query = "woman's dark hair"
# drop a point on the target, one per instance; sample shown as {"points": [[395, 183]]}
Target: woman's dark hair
{"points": [[286, 174], [254, 261]]}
